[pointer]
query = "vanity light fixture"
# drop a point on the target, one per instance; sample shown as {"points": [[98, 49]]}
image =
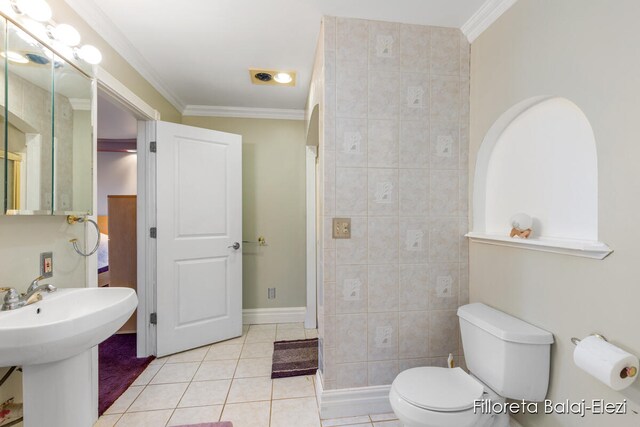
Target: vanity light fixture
{"points": [[65, 34], [35, 16], [16, 57], [89, 54], [261, 76], [34, 9]]}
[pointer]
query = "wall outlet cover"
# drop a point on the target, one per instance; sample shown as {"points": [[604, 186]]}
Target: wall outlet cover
{"points": [[341, 228], [46, 264]]}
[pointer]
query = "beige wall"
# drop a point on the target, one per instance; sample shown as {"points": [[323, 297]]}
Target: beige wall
{"points": [[586, 51], [273, 187]]}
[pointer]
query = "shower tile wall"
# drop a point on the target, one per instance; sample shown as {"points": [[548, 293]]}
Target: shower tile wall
{"points": [[394, 159]]}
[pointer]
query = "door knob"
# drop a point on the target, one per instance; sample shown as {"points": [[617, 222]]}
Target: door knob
{"points": [[235, 246]]}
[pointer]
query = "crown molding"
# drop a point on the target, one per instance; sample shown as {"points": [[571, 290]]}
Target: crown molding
{"points": [[243, 112], [91, 13], [488, 13]]}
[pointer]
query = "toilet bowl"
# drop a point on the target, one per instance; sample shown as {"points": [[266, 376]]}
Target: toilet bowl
{"points": [[438, 397], [507, 358]]}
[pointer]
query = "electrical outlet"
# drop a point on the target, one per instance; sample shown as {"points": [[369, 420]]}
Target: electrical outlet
{"points": [[271, 293], [341, 228], [46, 264]]}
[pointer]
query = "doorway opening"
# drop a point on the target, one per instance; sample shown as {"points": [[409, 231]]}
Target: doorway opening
{"points": [[117, 175]]}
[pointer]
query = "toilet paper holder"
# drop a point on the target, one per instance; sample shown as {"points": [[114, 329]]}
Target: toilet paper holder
{"points": [[575, 340], [629, 371]]}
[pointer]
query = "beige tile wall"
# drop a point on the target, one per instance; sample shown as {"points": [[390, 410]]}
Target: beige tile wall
{"points": [[394, 160]]}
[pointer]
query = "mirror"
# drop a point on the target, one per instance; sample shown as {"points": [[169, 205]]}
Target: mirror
{"points": [[28, 122], [73, 141], [7, 167], [48, 150]]}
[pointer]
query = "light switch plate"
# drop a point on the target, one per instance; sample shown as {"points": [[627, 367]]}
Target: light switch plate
{"points": [[341, 228]]}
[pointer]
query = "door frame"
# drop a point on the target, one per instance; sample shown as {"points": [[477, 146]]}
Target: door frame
{"points": [[310, 320], [107, 84], [117, 91]]}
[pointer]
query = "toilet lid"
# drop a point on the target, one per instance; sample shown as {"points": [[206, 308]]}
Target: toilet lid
{"points": [[438, 389]]}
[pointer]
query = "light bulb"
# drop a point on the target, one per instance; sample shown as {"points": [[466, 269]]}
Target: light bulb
{"points": [[283, 78], [35, 9], [89, 54], [65, 33]]}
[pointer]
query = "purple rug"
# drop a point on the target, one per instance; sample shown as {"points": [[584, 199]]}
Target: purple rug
{"points": [[294, 358], [118, 368]]}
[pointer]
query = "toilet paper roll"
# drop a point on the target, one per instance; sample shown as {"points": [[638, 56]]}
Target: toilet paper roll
{"points": [[606, 362]]}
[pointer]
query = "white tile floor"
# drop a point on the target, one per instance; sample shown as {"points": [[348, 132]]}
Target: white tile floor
{"points": [[229, 381]]}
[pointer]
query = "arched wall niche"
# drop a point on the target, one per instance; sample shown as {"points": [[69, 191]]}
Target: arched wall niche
{"points": [[539, 158]]}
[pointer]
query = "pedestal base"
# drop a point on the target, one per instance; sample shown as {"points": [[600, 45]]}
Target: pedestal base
{"points": [[60, 394]]}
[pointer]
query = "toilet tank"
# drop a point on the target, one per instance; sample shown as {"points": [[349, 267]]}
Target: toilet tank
{"points": [[510, 356]]}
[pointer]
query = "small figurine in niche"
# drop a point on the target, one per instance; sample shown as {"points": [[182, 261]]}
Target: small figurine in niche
{"points": [[521, 224]]}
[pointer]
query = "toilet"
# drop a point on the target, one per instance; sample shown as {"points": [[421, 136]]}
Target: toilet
{"points": [[506, 357]]}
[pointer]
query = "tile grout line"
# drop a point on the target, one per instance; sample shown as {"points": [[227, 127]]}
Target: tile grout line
{"points": [[224, 404]]}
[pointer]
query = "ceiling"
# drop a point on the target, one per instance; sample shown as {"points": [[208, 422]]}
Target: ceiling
{"points": [[114, 122], [198, 52]]}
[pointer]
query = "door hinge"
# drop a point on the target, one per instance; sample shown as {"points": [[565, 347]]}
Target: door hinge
{"points": [[153, 232], [153, 318], [153, 146]]}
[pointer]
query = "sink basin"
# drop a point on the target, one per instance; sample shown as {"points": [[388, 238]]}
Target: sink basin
{"points": [[65, 323]]}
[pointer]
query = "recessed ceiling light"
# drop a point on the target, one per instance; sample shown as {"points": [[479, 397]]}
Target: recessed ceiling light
{"points": [[261, 76], [283, 78], [16, 57]]}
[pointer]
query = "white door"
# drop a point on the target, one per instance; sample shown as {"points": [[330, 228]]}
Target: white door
{"points": [[199, 231]]}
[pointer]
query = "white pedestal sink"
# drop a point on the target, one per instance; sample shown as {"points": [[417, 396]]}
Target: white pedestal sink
{"points": [[52, 341]]}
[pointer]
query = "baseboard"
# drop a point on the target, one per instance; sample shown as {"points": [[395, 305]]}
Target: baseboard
{"points": [[258, 316], [354, 402]]}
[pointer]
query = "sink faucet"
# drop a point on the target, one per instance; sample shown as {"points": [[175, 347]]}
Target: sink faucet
{"points": [[27, 297], [13, 299], [35, 283]]}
